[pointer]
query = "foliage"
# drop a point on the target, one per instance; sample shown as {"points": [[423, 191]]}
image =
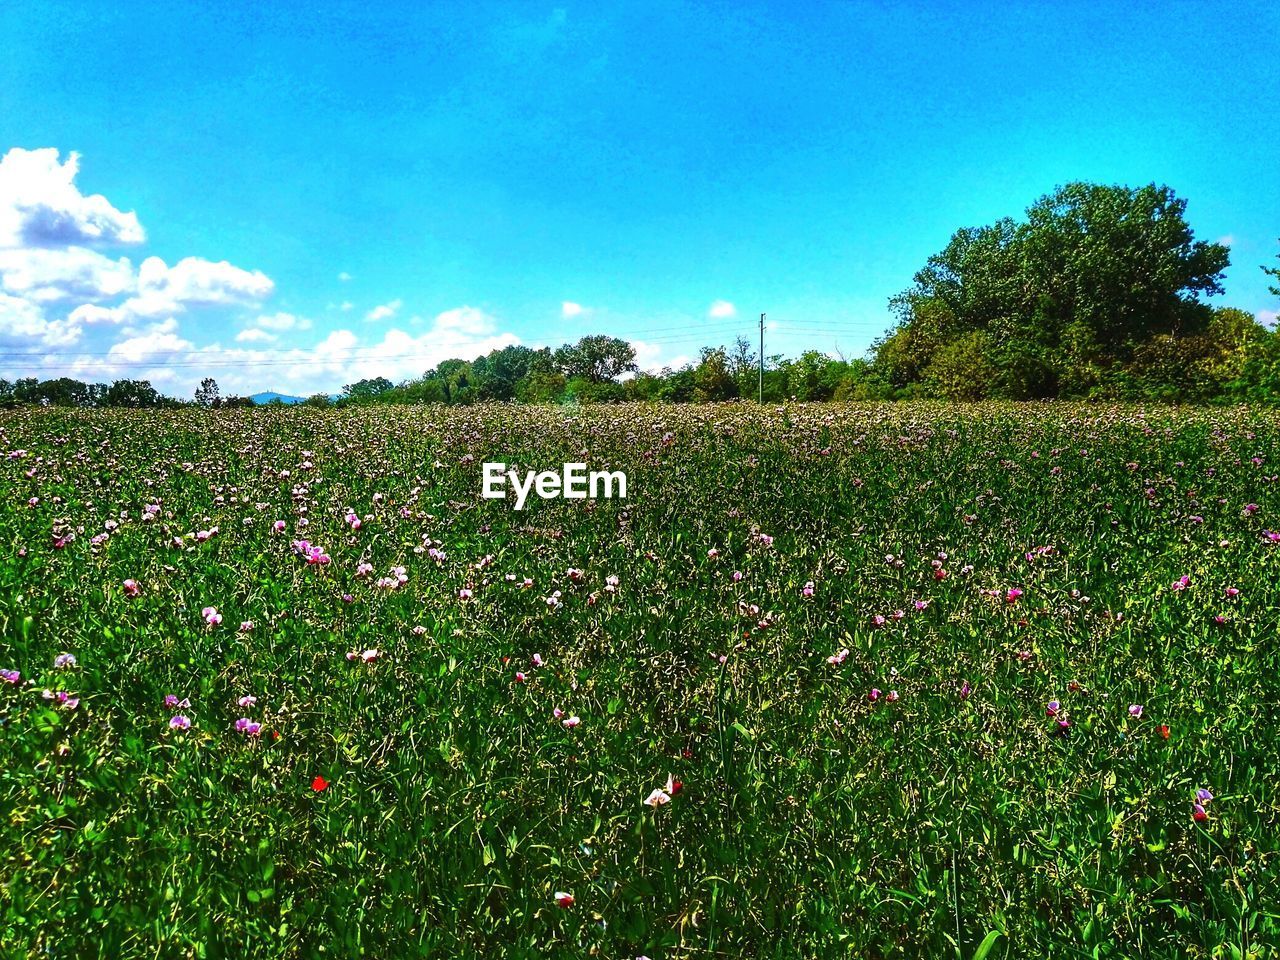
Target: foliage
{"points": [[841, 629], [1095, 280]]}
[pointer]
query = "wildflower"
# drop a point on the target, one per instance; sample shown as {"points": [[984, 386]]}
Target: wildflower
{"points": [[1180, 584], [211, 616], [838, 658], [1203, 795], [10, 676], [248, 700], [965, 690], [563, 899], [171, 701], [1012, 595], [658, 798], [64, 660], [557, 713], [874, 695], [1052, 708], [892, 696], [1198, 813], [180, 722], [537, 660], [519, 676], [807, 589], [465, 593], [1135, 711], [246, 626], [319, 784], [1233, 592], [570, 722], [368, 656], [1164, 730], [131, 588], [737, 576], [248, 727]]}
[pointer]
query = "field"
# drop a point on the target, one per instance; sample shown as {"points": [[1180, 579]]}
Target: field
{"points": [[881, 681]]}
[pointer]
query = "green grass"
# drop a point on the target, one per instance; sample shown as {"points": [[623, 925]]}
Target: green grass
{"points": [[812, 821]]}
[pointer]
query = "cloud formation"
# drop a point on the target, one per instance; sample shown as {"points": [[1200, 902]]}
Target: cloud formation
{"points": [[722, 308]]}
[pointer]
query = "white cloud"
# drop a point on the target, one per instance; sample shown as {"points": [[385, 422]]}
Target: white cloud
{"points": [[1268, 318], [255, 335], [1228, 241], [722, 308], [193, 281], [75, 273], [345, 306], [570, 309], [344, 276], [383, 311], [23, 321], [652, 357], [282, 321], [40, 205]]}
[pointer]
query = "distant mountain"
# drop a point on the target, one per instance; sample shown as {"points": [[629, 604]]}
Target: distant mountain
{"points": [[267, 396]]}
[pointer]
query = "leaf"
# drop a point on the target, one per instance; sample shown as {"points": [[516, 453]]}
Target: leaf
{"points": [[985, 946]]}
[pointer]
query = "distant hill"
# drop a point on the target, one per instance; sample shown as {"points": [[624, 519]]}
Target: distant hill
{"points": [[268, 396]]}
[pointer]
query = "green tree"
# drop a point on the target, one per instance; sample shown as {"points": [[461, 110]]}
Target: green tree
{"points": [[597, 358]]}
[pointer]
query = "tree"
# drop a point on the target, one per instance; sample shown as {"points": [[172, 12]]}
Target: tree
{"points": [[712, 378], [1274, 272], [207, 393], [132, 393], [363, 390], [1089, 276], [597, 359]]}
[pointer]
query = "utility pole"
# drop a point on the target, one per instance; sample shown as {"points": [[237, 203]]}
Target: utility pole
{"points": [[761, 397]]}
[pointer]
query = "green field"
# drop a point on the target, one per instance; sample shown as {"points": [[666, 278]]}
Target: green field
{"points": [[951, 815]]}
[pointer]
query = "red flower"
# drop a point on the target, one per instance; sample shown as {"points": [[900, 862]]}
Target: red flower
{"points": [[676, 787], [1164, 730], [319, 783]]}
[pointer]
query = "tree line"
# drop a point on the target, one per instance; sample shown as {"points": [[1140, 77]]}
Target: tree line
{"points": [[1097, 292]]}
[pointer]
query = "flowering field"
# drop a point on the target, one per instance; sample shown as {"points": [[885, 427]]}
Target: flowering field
{"points": [[833, 681]]}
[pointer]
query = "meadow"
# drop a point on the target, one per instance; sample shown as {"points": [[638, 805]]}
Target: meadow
{"points": [[833, 681]]}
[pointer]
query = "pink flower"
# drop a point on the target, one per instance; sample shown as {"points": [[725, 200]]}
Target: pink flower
{"points": [[1052, 708], [1135, 710], [248, 727], [658, 798], [563, 899], [838, 658], [64, 660], [965, 690], [557, 713], [570, 722], [465, 593], [248, 700], [537, 660], [180, 722], [278, 526], [211, 616], [246, 626], [1012, 595], [1232, 592], [10, 676], [892, 696], [368, 656], [131, 588], [874, 695], [807, 589], [519, 676], [1180, 584], [1198, 813]]}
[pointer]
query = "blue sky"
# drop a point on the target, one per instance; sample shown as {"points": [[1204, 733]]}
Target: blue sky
{"points": [[474, 168]]}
